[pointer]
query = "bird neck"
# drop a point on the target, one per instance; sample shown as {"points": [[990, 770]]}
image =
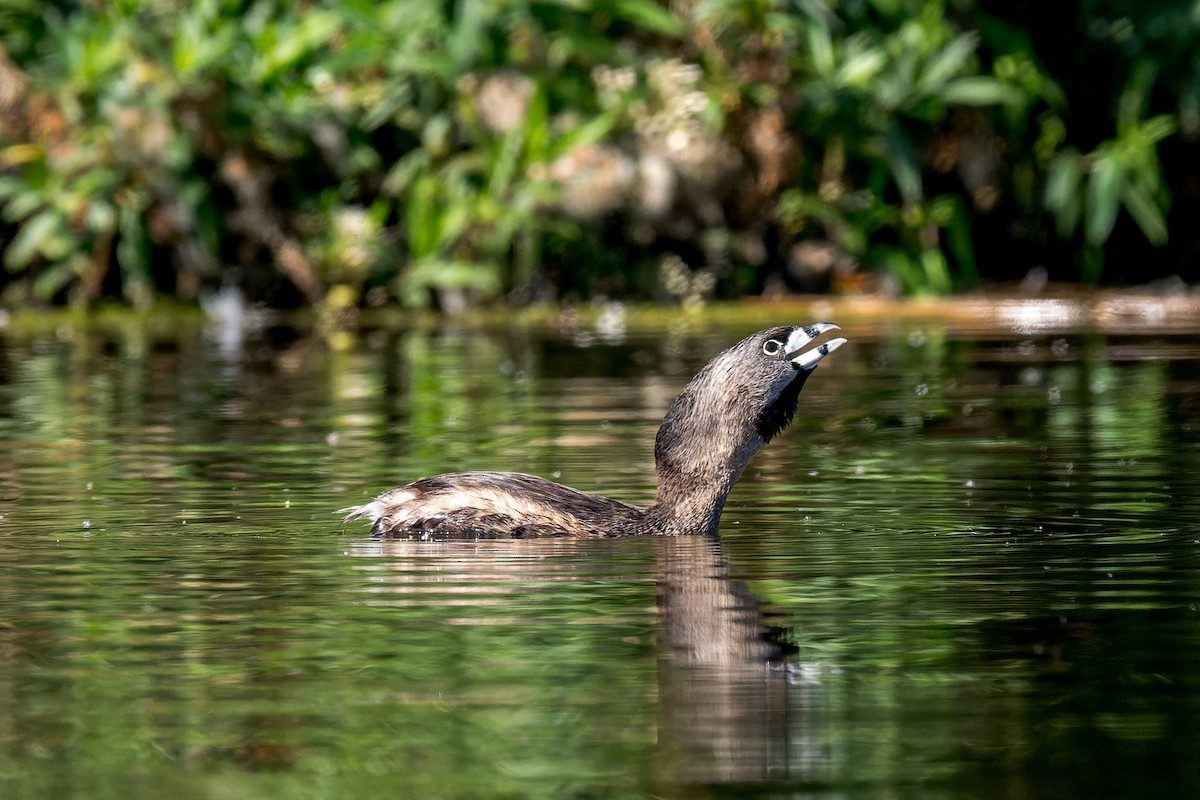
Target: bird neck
{"points": [[699, 454]]}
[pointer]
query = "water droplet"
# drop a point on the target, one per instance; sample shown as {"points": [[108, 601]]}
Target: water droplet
{"points": [[87, 523], [970, 484]]}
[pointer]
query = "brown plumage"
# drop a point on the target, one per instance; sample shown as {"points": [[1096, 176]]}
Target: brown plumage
{"points": [[736, 404]]}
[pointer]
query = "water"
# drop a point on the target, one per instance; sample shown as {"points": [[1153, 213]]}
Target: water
{"points": [[973, 563]]}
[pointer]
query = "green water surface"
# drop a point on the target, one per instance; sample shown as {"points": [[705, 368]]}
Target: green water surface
{"points": [[981, 555]]}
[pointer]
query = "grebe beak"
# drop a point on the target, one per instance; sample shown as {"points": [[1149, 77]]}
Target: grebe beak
{"points": [[798, 345]]}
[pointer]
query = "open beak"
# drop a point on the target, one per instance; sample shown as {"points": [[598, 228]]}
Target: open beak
{"points": [[803, 352]]}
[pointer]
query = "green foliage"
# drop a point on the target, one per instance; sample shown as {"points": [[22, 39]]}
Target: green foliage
{"points": [[1121, 172], [450, 153]]}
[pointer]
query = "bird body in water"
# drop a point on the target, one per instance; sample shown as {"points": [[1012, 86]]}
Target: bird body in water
{"points": [[736, 404]]}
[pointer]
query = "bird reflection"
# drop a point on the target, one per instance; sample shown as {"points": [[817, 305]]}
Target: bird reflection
{"points": [[731, 709]]}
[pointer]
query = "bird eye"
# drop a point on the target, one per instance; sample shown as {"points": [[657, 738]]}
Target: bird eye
{"points": [[772, 346]]}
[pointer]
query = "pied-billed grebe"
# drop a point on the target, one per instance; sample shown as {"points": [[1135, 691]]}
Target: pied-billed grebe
{"points": [[725, 415]]}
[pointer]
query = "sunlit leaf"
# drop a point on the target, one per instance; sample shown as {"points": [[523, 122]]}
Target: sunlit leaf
{"points": [[947, 62], [421, 217], [936, 270], [820, 50], [438, 273], [860, 68], [980, 91], [289, 43], [649, 14], [1132, 104], [21, 201], [1158, 128], [589, 132], [1103, 199], [33, 239]]}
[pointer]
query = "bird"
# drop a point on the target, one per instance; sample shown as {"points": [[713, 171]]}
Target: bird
{"points": [[730, 410]]}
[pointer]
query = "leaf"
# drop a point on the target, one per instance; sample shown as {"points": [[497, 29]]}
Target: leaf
{"points": [[588, 133], [283, 46], [22, 204], [959, 241], [422, 222], [649, 14], [936, 270], [861, 68], [947, 62], [1134, 98], [1103, 199], [901, 266], [405, 172], [1146, 214], [440, 273], [32, 239], [902, 159], [1062, 191], [820, 49], [52, 279], [980, 91], [1157, 128]]}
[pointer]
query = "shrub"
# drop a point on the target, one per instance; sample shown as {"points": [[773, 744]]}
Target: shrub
{"points": [[342, 152]]}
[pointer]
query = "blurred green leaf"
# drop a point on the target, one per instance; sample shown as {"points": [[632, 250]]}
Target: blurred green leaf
{"points": [[648, 14], [1063, 190], [422, 227], [980, 91], [34, 238], [1146, 213], [902, 159], [436, 273], [53, 279], [947, 62], [936, 272], [1103, 199], [820, 49], [861, 67]]}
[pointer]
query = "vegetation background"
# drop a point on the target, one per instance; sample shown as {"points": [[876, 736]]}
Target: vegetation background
{"points": [[350, 153]]}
